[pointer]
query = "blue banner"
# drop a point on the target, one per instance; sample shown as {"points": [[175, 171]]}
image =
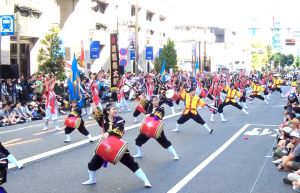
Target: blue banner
{"points": [[149, 53], [159, 52], [132, 55], [95, 49]]}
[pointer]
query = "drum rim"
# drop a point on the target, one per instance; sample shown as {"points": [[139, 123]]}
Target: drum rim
{"points": [[121, 152], [142, 123], [172, 95], [159, 130], [77, 123]]}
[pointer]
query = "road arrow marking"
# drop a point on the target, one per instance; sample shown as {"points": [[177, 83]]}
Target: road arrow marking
{"points": [[275, 134], [253, 132], [265, 132]]}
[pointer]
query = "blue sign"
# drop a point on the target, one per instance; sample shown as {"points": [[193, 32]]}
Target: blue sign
{"points": [[132, 55], [149, 53], [62, 48], [95, 49], [123, 51], [159, 52], [7, 25], [123, 62]]}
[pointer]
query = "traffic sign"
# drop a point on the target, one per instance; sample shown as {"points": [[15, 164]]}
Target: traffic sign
{"points": [[123, 51], [123, 62], [7, 25]]}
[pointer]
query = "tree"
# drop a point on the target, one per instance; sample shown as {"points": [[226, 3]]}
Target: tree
{"points": [[297, 62], [49, 59], [260, 53], [169, 54]]}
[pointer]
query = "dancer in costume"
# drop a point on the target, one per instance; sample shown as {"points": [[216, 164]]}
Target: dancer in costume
{"points": [[142, 100], [76, 112], [229, 100], [192, 102], [121, 98], [276, 84], [95, 95], [112, 125], [51, 106], [10, 157], [158, 112], [256, 89], [215, 90]]}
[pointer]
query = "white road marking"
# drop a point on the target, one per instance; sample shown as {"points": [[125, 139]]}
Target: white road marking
{"points": [[279, 106], [201, 166], [253, 132], [265, 132], [26, 127], [67, 147]]}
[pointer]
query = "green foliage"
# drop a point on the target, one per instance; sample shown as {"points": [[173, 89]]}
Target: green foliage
{"points": [[168, 52], [49, 60], [297, 62], [283, 60], [259, 60]]}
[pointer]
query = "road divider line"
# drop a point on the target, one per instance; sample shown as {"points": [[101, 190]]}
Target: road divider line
{"points": [[61, 132], [11, 141], [23, 142], [201, 166], [71, 146], [279, 106]]}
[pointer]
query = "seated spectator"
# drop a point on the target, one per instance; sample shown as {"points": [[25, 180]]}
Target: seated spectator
{"points": [[41, 107], [4, 113], [296, 111], [291, 162], [295, 125], [282, 142], [105, 96], [25, 109], [18, 111], [288, 118], [33, 108]]}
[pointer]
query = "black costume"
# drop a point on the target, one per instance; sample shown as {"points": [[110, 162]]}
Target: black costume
{"points": [[158, 112], [76, 112], [145, 103], [116, 128]]}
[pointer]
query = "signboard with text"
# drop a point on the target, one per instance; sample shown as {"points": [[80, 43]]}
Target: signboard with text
{"points": [[149, 53], [95, 49], [114, 61]]}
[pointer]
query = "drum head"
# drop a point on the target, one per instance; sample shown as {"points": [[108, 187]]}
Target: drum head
{"points": [[170, 93], [126, 88]]}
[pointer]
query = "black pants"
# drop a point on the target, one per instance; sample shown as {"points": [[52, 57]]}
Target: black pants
{"points": [[177, 101], [184, 118], [217, 103], [4, 150], [166, 101], [162, 140], [208, 96], [136, 113], [81, 129], [276, 89], [235, 104], [257, 96], [243, 98], [127, 160]]}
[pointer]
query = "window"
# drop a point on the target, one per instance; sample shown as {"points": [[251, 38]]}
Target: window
{"points": [[101, 7], [151, 32], [24, 13], [161, 18], [149, 16], [101, 27], [36, 15], [132, 10]]}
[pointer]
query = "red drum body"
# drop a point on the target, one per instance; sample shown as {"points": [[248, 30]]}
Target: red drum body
{"points": [[112, 149], [203, 93], [172, 95], [140, 108], [73, 122], [152, 128]]}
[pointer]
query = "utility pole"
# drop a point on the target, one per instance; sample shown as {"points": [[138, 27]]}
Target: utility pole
{"points": [[136, 37], [18, 40]]}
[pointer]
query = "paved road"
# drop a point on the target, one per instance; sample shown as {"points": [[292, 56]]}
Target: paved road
{"points": [[218, 163]]}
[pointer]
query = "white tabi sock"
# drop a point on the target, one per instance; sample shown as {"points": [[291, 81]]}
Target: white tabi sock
{"points": [[140, 174], [140, 152], [172, 150], [92, 179]]}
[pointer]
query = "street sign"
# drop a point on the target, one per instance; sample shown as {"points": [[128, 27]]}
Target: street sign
{"points": [[123, 62], [123, 51], [149, 53], [7, 25], [132, 55]]}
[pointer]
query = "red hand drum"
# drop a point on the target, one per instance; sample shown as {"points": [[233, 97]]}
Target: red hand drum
{"points": [[172, 95], [73, 122], [140, 108], [203, 93], [112, 149], [152, 128]]}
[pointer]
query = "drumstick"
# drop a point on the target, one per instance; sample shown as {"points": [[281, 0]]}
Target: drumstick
{"points": [[94, 107]]}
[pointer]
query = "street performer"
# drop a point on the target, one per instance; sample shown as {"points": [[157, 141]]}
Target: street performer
{"points": [[112, 125], [215, 90], [157, 111], [231, 93], [192, 102], [51, 106], [142, 100], [95, 94], [76, 112], [256, 89]]}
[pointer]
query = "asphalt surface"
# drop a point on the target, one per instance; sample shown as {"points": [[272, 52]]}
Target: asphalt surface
{"points": [[221, 163]]}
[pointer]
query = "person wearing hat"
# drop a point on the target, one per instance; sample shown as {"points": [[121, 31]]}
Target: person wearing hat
{"points": [[229, 100], [288, 162], [292, 98], [76, 112], [192, 103], [276, 84], [256, 91], [294, 124]]}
